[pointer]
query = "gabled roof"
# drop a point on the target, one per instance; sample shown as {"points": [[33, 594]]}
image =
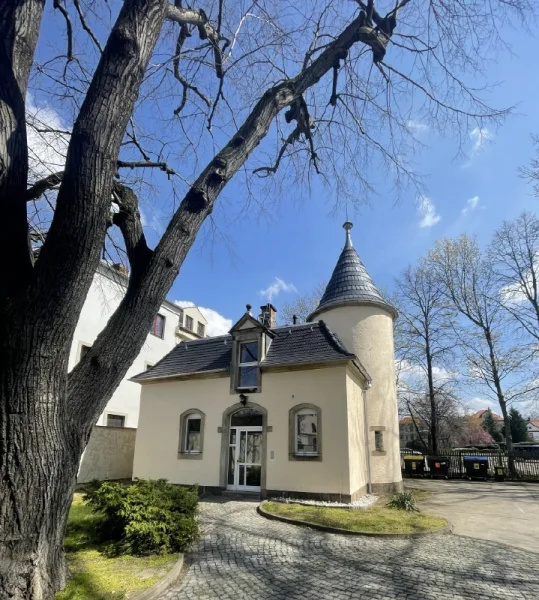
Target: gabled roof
{"points": [[350, 283], [310, 343]]}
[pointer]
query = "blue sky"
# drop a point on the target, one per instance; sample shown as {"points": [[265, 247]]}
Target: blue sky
{"points": [[294, 244], [300, 245]]}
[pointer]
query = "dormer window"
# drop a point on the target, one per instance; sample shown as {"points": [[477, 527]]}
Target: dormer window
{"points": [[248, 365]]}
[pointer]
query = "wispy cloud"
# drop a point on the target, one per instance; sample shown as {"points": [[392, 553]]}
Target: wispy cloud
{"points": [[217, 323], [152, 220], [479, 136], [471, 205], [276, 287], [427, 209], [416, 127]]}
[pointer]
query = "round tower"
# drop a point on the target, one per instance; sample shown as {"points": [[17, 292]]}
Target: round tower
{"points": [[355, 310]]}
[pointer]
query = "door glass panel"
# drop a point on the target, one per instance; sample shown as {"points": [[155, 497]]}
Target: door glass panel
{"points": [[241, 455], [254, 441], [241, 479], [231, 465], [253, 475], [232, 436]]}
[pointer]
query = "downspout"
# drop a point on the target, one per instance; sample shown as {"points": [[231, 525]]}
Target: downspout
{"points": [[367, 443]]}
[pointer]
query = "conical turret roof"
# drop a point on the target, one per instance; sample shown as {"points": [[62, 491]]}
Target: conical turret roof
{"points": [[350, 284]]}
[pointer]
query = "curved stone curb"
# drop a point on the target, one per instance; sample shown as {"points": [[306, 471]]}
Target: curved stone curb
{"points": [[162, 585], [272, 517]]}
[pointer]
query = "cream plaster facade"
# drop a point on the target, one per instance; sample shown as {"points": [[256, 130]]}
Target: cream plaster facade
{"points": [[104, 296], [367, 331], [335, 390]]}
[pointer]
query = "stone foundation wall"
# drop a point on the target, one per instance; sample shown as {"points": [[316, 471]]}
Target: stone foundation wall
{"points": [[108, 455]]}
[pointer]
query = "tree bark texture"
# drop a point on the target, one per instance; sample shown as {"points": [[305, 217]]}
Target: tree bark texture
{"points": [[46, 415]]}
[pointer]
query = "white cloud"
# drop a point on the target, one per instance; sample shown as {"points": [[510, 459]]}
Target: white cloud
{"points": [[477, 404], [427, 210], [471, 205], [478, 135], [416, 127], [276, 287], [152, 221], [217, 324], [46, 149]]}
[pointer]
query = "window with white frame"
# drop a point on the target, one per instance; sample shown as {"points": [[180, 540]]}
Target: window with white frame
{"points": [[192, 441], [306, 432], [115, 420], [189, 323], [158, 326], [201, 329], [248, 365]]}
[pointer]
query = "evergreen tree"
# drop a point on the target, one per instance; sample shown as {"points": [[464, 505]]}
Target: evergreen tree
{"points": [[519, 432], [491, 426]]}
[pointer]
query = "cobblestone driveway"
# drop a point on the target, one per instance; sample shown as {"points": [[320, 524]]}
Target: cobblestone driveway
{"points": [[244, 556]]}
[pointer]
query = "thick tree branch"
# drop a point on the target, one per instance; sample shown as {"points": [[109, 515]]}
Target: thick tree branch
{"points": [[42, 185], [132, 320], [127, 219], [198, 18]]}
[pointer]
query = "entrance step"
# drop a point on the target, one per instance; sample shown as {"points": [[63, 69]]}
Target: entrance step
{"points": [[234, 494]]}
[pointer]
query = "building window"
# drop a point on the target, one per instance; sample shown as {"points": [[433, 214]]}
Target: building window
{"points": [[189, 323], [248, 366], [158, 327], [84, 349], [378, 441], [115, 420], [305, 432], [191, 434], [180, 319], [201, 329]]}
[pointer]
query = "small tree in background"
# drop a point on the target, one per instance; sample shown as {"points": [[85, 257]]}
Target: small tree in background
{"points": [[474, 433], [302, 306], [519, 431], [490, 425]]}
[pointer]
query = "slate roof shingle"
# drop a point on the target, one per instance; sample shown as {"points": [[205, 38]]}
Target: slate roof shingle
{"points": [[294, 345], [350, 283]]}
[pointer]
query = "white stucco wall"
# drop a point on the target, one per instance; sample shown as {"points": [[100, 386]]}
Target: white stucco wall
{"points": [[356, 433], [156, 452], [367, 331], [103, 298]]}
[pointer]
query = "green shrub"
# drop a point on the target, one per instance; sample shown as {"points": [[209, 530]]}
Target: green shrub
{"points": [[148, 517], [403, 501]]}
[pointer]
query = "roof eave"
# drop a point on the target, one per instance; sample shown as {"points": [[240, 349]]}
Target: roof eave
{"points": [[195, 375], [387, 307]]}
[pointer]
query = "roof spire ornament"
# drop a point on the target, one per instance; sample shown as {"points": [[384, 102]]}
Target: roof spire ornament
{"points": [[348, 227]]}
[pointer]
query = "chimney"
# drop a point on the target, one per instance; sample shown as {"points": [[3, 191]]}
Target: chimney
{"points": [[267, 315], [294, 319]]}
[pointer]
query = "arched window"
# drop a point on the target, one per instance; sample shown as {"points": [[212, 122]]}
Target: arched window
{"points": [[305, 435], [191, 434]]}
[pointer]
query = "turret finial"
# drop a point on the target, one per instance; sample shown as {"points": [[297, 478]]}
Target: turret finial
{"points": [[347, 227]]}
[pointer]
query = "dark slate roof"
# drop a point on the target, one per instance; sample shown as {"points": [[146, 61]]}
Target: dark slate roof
{"points": [[293, 345], [350, 283]]}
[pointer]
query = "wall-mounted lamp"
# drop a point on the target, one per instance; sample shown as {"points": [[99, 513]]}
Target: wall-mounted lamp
{"points": [[243, 399]]}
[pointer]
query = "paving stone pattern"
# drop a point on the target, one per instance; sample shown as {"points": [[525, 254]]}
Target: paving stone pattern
{"points": [[244, 556]]}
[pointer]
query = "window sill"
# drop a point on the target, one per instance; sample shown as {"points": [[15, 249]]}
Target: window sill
{"points": [[307, 457], [159, 337], [190, 455], [378, 453]]}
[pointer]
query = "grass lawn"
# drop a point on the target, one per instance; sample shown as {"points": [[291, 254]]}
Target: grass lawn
{"points": [[95, 576], [376, 519]]}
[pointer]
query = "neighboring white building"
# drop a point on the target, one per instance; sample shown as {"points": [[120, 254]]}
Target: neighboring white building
{"points": [[171, 326], [533, 430]]}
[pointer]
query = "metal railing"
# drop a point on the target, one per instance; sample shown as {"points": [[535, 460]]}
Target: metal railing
{"points": [[526, 464]]}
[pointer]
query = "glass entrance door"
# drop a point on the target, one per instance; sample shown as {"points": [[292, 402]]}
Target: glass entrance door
{"points": [[245, 459]]}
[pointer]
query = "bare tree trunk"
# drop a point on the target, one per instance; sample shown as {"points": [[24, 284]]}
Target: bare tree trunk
{"points": [[39, 456], [502, 403], [432, 399]]}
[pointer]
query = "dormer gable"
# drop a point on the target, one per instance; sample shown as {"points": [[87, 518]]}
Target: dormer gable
{"points": [[251, 340]]}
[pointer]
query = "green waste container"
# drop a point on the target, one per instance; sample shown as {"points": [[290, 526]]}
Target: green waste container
{"points": [[414, 465], [476, 467]]}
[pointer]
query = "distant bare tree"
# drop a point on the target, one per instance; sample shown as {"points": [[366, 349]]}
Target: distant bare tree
{"points": [[494, 364], [424, 337], [514, 254], [151, 90], [302, 306]]}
